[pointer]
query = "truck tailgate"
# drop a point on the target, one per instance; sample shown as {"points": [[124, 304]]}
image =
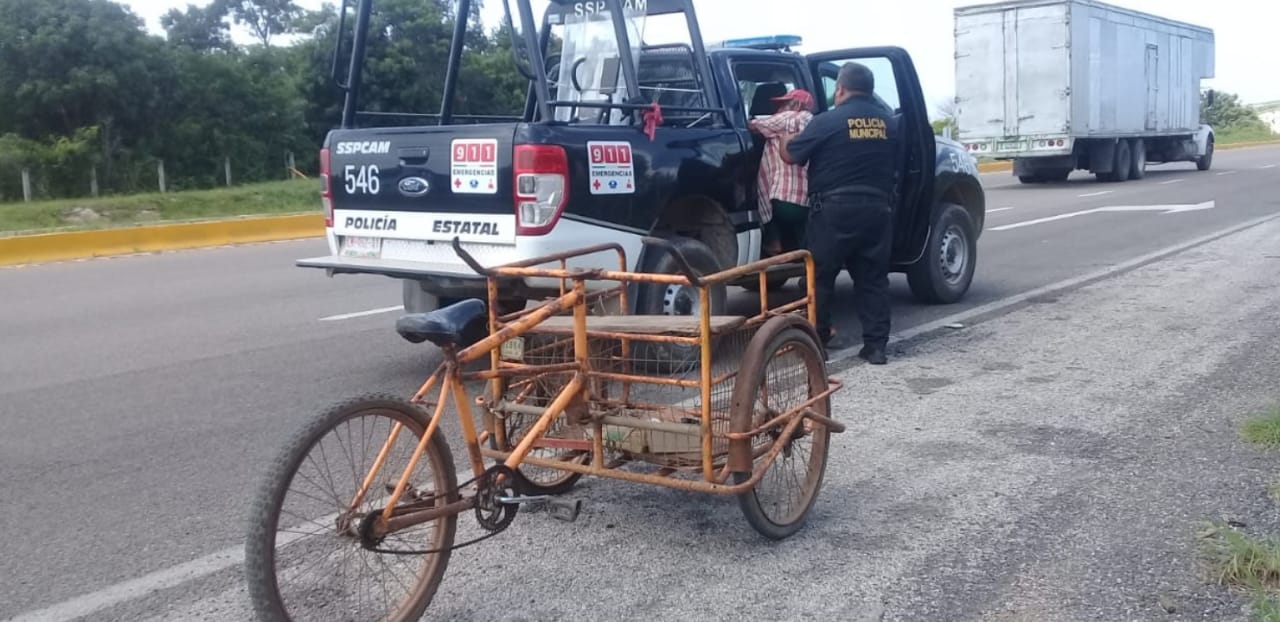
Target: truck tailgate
{"points": [[420, 185]]}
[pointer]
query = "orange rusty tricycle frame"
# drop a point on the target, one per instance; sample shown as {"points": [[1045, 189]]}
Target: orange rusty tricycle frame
{"points": [[575, 394]]}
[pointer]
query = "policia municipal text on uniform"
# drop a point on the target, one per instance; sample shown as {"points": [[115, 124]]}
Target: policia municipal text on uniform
{"points": [[850, 151]]}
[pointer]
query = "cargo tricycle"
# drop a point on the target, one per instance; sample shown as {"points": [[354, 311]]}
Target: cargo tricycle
{"points": [[358, 516]]}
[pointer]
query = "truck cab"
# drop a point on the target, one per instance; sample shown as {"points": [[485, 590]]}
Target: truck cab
{"points": [[618, 140]]}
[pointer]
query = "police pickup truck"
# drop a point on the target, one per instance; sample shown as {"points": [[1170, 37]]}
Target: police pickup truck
{"points": [[619, 140]]}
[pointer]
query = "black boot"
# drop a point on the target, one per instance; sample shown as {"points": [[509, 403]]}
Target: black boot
{"points": [[873, 354]]}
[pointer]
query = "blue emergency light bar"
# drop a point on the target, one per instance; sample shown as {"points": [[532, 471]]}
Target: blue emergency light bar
{"points": [[772, 42]]}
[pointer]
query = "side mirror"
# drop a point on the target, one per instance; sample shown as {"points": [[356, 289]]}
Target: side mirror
{"points": [[1209, 97]]}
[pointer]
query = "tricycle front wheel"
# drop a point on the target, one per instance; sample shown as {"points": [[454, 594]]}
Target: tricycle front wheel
{"points": [[782, 369], [308, 557]]}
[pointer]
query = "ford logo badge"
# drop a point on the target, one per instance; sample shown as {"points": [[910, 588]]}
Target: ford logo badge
{"points": [[414, 186]]}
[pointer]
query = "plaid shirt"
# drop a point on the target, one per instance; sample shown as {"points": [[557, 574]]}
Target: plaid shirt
{"points": [[777, 179]]}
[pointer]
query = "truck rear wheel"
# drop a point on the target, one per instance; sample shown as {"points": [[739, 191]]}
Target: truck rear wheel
{"points": [[1138, 170], [663, 299], [417, 300], [943, 274], [1120, 163]]}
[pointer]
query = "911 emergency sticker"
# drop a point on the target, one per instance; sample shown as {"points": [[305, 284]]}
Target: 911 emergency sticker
{"points": [[611, 170], [473, 166]]}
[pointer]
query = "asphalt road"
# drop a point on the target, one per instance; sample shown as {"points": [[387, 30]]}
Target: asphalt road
{"points": [[141, 397]]}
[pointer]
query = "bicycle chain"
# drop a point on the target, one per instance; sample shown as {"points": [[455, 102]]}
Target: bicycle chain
{"points": [[498, 526]]}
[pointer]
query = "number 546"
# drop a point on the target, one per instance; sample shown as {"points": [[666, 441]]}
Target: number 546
{"points": [[362, 179]]}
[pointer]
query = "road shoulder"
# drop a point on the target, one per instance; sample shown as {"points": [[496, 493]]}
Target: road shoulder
{"points": [[1068, 452]]}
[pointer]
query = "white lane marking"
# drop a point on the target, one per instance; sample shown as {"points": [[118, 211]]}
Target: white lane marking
{"points": [[347, 316], [1227, 173], [1096, 194], [999, 209], [164, 579], [1172, 181], [1269, 166], [1167, 209], [965, 317], [226, 558]]}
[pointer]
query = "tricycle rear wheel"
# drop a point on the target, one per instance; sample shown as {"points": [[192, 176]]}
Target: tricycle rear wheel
{"points": [[783, 368]]}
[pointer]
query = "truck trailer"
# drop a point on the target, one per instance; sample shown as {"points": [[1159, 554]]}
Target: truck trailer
{"points": [[1064, 85]]}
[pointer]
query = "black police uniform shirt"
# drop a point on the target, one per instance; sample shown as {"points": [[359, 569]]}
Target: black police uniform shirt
{"points": [[852, 144]]}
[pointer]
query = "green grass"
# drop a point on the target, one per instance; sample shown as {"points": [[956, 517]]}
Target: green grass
{"points": [[1266, 608], [1232, 136], [1264, 429], [1241, 560], [282, 197]]}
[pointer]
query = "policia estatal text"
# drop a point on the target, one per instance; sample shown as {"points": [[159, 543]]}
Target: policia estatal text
{"points": [[850, 151]]}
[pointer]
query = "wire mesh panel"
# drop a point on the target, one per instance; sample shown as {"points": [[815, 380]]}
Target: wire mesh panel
{"points": [[647, 395]]}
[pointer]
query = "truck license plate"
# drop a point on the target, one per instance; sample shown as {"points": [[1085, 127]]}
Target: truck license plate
{"points": [[1013, 146], [361, 247]]}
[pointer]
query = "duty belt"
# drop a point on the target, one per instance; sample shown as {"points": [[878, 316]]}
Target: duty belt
{"points": [[816, 199]]}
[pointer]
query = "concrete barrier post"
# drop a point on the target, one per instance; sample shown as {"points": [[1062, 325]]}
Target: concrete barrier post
{"points": [[93, 181], [26, 185], [160, 174], [226, 169]]}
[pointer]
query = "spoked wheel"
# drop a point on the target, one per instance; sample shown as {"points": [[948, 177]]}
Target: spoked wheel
{"points": [[540, 392], [306, 557], [782, 369]]}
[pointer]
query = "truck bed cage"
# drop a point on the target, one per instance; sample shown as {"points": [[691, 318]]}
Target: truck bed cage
{"points": [[532, 42]]}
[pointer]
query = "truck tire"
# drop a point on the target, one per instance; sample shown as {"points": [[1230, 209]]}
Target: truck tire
{"points": [[1121, 162], [1030, 179], [661, 299], [1138, 168], [943, 274], [1205, 161], [416, 300]]}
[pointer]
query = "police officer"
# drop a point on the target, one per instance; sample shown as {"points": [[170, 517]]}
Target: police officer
{"points": [[850, 151]]}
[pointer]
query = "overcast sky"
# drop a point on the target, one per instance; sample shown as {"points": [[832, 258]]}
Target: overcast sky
{"points": [[1244, 31]]}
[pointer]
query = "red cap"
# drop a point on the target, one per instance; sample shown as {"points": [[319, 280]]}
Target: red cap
{"points": [[798, 95]]}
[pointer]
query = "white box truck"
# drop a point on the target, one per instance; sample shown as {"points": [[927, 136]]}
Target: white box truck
{"points": [[1061, 85]]}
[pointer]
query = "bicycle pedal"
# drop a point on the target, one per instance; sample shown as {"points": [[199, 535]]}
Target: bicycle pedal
{"points": [[566, 511]]}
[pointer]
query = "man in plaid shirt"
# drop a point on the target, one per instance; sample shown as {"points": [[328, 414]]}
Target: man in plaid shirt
{"points": [[783, 187]]}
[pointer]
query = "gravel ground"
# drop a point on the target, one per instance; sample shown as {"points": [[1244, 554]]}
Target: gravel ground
{"points": [[1051, 464]]}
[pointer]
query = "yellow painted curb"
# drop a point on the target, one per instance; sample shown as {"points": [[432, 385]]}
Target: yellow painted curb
{"points": [[125, 240], [993, 167]]}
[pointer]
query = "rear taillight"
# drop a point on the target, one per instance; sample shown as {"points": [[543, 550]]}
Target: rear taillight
{"points": [[541, 187], [326, 188]]}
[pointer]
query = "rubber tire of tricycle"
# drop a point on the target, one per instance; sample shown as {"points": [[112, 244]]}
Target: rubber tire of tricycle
{"points": [[763, 348], [526, 485], [264, 513], [668, 358], [925, 277]]}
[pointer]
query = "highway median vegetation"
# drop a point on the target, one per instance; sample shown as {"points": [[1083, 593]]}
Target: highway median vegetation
{"points": [[263, 199]]}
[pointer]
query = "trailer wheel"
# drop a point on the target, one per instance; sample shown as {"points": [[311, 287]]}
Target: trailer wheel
{"points": [[1205, 161], [1138, 169], [1120, 164]]}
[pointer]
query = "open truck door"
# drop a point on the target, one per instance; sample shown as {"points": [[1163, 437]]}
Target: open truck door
{"points": [[898, 88]]}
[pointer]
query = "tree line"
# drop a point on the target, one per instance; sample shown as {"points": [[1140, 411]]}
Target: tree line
{"points": [[87, 95]]}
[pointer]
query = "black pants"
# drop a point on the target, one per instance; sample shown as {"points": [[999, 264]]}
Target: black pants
{"points": [[853, 232]]}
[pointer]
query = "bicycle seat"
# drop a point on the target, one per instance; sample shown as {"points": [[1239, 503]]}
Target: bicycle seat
{"points": [[451, 326]]}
